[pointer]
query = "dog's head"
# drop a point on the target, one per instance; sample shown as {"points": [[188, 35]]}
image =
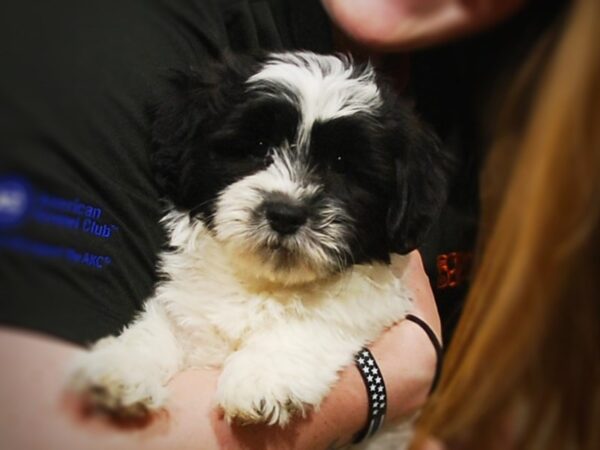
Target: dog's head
{"points": [[299, 164]]}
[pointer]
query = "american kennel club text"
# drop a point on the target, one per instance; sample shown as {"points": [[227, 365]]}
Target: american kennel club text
{"points": [[291, 178]]}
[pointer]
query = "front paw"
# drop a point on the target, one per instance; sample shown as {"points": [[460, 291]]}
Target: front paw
{"points": [[251, 398], [112, 382]]}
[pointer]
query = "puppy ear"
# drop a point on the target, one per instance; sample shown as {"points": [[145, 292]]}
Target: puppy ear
{"points": [[198, 101], [422, 170]]}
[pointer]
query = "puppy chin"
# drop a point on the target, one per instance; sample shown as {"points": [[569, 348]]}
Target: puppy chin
{"points": [[276, 265]]}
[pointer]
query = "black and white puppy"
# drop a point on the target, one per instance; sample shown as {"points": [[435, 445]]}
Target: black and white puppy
{"points": [[292, 178]]}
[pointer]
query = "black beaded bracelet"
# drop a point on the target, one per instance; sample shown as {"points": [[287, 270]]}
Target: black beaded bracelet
{"points": [[375, 385]]}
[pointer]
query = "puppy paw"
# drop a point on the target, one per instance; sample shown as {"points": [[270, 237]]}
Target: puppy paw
{"points": [[115, 385], [254, 399]]}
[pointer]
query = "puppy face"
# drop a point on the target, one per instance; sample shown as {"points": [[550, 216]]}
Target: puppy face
{"points": [[299, 164]]}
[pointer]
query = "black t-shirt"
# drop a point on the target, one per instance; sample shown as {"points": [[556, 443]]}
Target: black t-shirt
{"points": [[459, 88], [79, 211]]}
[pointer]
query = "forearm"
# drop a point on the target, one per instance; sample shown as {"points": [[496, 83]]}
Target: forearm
{"points": [[405, 354], [34, 414]]}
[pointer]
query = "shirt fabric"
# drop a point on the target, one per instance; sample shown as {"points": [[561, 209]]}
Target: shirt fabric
{"points": [[79, 211]]}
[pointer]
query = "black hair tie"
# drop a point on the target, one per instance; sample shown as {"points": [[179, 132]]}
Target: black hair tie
{"points": [[436, 345]]}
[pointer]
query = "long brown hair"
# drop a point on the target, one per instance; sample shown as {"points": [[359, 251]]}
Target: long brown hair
{"points": [[523, 369]]}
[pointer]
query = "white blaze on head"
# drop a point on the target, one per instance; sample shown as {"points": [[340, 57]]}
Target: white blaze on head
{"points": [[323, 87]]}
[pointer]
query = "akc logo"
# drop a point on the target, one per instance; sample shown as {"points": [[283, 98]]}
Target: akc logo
{"points": [[15, 200]]}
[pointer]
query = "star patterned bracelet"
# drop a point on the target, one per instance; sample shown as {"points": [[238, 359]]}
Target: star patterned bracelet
{"points": [[375, 385]]}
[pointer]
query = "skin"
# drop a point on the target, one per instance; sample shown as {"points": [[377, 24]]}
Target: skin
{"points": [[392, 25], [432, 444], [32, 396]]}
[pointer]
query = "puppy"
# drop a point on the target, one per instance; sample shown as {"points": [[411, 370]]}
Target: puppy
{"points": [[291, 177]]}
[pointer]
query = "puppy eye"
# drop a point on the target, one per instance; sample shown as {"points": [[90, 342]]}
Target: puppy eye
{"points": [[257, 148], [260, 146], [338, 164]]}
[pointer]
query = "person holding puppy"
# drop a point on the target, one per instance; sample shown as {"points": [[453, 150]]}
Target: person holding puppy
{"points": [[77, 111], [79, 217]]}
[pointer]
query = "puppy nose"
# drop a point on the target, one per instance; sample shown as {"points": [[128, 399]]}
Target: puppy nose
{"points": [[285, 218]]}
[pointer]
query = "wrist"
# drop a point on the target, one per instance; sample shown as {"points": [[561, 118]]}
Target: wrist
{"points": [[408, 361]]}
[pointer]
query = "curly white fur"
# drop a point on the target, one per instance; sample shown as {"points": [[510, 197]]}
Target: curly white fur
{"points": [[281, 347]]}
